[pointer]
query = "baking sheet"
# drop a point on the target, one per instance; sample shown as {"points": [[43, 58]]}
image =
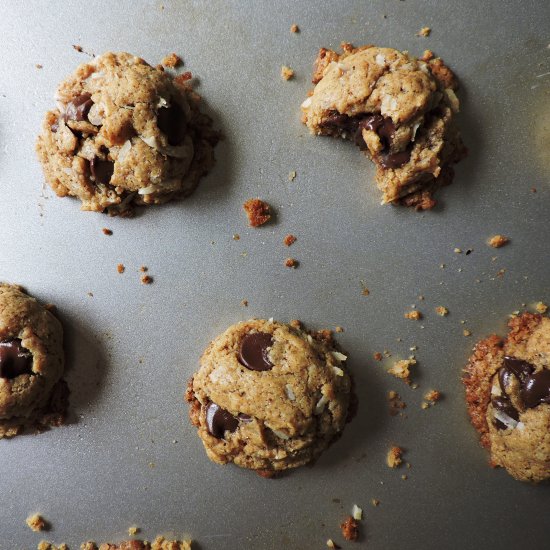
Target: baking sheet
{"points": [[129, 455]]}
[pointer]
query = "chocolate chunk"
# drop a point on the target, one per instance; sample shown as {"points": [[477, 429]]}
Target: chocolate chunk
{"points": [[171, 121], [102, 170], [14, 359], [536, 389], [78, 108], [253, 351], [219, 421], [394, 160], [522, 369]]}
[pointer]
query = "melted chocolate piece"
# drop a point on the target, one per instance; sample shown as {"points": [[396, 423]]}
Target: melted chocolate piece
{"points": [[14, 359], [394, 160], [244, 418], [253, 351], [78, 108], [536, 389], [102, 170], [171, 121], [522, 369], [219, 421]]}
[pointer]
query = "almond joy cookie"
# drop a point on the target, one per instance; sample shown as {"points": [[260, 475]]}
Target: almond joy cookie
{"points": [[124, 133], [398, 109], [269, 396], [32, 393], [508, 394]]}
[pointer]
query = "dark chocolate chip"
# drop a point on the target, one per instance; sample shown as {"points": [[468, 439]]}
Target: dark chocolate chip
{"points": [[102, 170], [171, 121], [394, 160], [522, 369], [219, 421], [78, 108], [504, 376], [253, 351], [14, 359], [536, 389]]}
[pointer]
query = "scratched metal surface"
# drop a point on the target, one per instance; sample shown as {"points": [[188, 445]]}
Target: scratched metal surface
{"points": [[129, 455]]}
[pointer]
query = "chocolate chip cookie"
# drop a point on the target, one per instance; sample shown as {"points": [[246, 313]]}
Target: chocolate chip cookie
{"points": [[398, 109], [32, 393], [269, 396], [125, 133], [508, 394]]}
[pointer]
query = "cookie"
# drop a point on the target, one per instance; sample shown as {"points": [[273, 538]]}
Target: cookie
{"points": [[398, 109], [508, 395], [269, 396], [32, 393], [125, 133]]}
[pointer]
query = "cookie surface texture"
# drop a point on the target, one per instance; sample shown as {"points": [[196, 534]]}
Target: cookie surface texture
{"points": [[269, 396]]}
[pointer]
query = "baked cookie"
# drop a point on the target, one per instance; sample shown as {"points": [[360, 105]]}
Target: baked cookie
{"points": [[32, 393], [398, 109], [125, 133], [269, 396], [508, 394]]}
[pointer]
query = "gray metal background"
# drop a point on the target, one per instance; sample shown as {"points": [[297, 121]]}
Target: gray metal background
{"points": [[129, 455]]}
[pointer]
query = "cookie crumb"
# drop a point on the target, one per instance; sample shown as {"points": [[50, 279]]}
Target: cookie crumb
{"points": [[258, 212], [294, 28], [146, 279], [107, 231], [286, 73], [378, 356], [182, 78], [339, 329], [401, 369], [244, 303], [415, 315], [236, 237], [332, 544], [496, 241], [375, 502], [45, 545], [292, 175], [424, 31], [433, 396], [291, 262], [39, 66], [172, 61], [428, 55], [289, 240], [37, 523], [541, 307], [134, 530], [78, 48], [393, 459], [395, 403], [120, 268], [350, 528], [144, 269], [364, 290], [404, 477], [458, 251], [441, 310], [466, 332]]}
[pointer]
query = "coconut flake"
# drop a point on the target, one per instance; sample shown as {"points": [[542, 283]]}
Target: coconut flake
{"points": [[124, 150], [147, 190], [330, 543], [339, 356], [495, 390], [306, 103], [270, 320], [414, 130], [162, 103], [68, 171], [289, 393], [310, 339], [520, 426], [505, 419], [357, 512], [380, 60], [453, 100], [281, 435], [338, 371], [320, 407], [150, 140]]}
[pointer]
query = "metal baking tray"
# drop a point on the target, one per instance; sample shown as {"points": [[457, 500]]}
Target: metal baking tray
{"points": [[129, 455]]}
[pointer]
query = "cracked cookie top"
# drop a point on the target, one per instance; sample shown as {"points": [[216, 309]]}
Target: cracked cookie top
{"points": [[269, 396], [124, 132]]}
